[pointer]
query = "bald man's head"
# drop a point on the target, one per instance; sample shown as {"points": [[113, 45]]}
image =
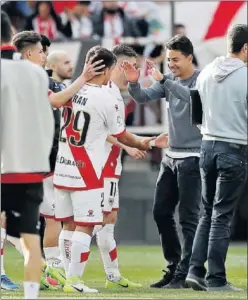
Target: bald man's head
{"points": [[60, 63]]}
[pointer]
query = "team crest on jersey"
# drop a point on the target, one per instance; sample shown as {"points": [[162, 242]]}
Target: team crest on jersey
{"points": [[111, 201], [90, 213]]}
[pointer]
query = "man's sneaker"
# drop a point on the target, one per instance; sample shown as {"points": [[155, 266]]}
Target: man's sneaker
{"points": [[177, 282], [196, 283], [228, 287], [165, 280], [56, 273], [122, 283], [75, 284], [7, 284]]}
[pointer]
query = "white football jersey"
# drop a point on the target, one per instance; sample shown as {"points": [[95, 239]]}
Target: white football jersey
{"points": [[113, 165], [86, 122]]}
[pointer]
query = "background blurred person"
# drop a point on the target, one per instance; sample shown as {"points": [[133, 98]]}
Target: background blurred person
{"points": [[46, 21], [80, 18], [112, 22]]}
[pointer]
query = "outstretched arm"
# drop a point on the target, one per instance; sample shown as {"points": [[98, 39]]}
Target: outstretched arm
{"points": [[90, 70]]}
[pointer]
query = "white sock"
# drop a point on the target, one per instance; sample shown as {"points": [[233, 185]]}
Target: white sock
{"points": [[52, 254], [65, 248], [31, 290], [107, 246], [80, 251], [16, 243], [3, 236]]}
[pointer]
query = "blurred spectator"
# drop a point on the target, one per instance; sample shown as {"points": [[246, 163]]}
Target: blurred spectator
{"points": [[26, 7], [15, 15], [180, 29], [81, 20], [46, 21], [112, 22]]}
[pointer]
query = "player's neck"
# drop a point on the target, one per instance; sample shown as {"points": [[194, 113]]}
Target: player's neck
{"points": [[95, 81], [57, 77], [116, 81]]}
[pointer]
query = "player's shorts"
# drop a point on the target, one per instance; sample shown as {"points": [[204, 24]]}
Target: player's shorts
{"points": [[111, 195], [21, 203], [82, 206], [48, 204]]}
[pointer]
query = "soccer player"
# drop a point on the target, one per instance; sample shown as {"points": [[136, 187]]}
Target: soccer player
{"points": [[111, 173], [45, 43], [61, 62], [29, 45], [85, 124], [25, 146]]}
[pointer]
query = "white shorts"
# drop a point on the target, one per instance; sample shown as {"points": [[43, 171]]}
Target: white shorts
{"points": [[82, 206], [111, 195], [48, 204]]}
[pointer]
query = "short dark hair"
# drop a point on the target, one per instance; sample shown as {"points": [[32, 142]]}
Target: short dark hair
{"points": [[124, 50], [6, 30], [179, 25], [108, 57], [180, 43], [86, 3], [26, 38], [45, 42], [237, 36]]}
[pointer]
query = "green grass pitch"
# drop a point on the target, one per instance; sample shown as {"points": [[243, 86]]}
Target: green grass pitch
{"points": [[142, 264]]}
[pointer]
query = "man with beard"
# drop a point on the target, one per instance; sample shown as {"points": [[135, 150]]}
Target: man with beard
{"points": [[59, 68]]}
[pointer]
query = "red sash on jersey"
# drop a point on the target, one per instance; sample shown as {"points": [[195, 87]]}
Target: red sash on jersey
{"points": [[111, 163], [79, 153]]}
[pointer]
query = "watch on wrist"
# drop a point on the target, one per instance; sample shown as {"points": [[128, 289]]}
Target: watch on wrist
{"points": [[162, 81]]}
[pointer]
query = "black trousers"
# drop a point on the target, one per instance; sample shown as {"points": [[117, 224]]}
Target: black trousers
{"points": [[179, 184]]}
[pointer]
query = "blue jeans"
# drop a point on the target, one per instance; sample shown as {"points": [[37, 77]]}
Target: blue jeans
{"points": [[178, 183], [223, 168]]}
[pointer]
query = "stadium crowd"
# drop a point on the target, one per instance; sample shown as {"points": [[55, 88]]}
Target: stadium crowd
{"points": [[87, 133]]}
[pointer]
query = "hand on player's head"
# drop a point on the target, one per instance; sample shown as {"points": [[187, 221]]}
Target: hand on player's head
{"points": [[132, 74], [92, 69]]}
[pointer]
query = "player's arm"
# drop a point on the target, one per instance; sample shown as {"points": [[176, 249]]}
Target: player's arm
{"points": [[133, 152], [90, 70], [141, 95]]}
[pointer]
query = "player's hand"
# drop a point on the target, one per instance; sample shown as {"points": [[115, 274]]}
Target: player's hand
{"points": [[153, 70], [145, 143], [132, 74], [136, 153], [92, 69], [161, 141]]}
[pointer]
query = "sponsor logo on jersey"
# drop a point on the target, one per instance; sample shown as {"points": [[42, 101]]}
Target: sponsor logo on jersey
{"points": [[63, 160]]}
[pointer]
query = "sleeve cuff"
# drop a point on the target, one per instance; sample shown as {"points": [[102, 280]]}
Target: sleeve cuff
{"points": [[119, 134]]}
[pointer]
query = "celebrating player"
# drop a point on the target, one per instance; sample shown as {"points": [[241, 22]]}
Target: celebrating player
{"points": [[111, 173], [85, 124]]}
